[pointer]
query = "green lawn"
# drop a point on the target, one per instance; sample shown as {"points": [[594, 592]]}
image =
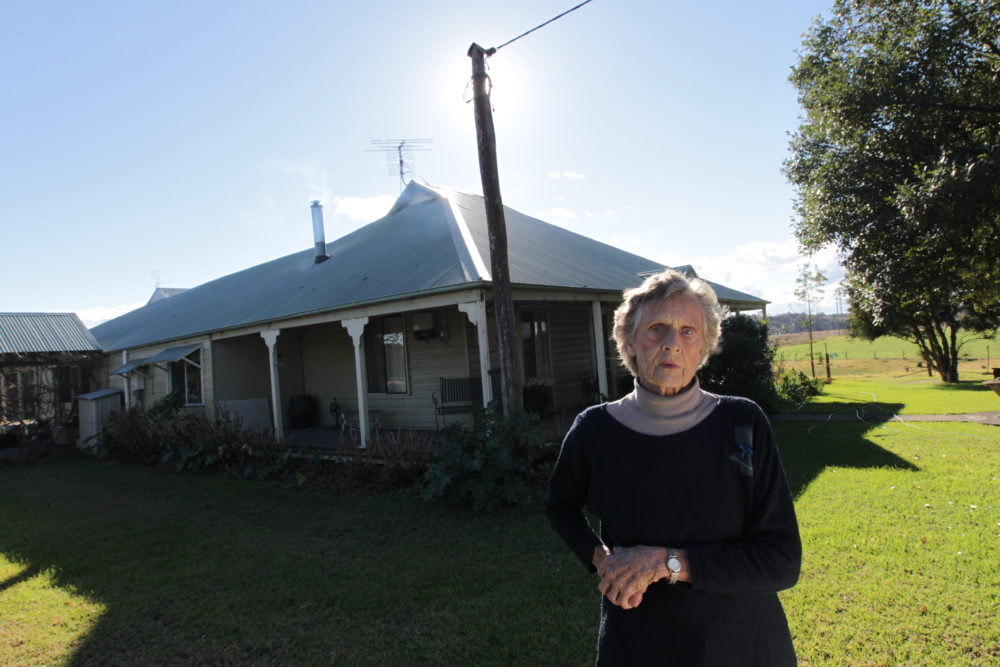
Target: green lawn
{"points": [[900, 526], [117, 565], [104, 564], [886, 396]]}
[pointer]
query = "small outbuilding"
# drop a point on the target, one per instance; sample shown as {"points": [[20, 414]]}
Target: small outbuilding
{"points": [[46, 361]]}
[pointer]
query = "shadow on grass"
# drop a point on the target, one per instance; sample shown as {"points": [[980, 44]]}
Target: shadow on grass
{"points": [[209, 571], [860, 409], [809, 447], [24, 575], [963, 385]]}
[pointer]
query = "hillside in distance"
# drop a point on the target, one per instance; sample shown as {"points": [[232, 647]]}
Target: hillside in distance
{"points": [[789, 323]]}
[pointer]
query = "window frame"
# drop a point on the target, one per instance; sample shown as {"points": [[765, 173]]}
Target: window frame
{"points": [[378, 361], [190, 368], [541, 343]]}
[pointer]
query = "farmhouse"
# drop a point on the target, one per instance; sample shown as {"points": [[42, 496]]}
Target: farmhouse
{"points": [[390, 325]]}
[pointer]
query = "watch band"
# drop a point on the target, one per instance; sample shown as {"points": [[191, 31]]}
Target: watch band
{"points": [[673, 564]]}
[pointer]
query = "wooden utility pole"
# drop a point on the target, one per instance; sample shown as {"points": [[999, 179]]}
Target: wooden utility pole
{"points": [[511, 382]]}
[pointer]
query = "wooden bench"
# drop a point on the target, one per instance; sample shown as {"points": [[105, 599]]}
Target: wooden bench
{"points": [[456, 396]]}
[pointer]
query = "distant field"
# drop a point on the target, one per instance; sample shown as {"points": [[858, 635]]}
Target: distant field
{"points": [[786, 340], [882, 376], [844, 348]]}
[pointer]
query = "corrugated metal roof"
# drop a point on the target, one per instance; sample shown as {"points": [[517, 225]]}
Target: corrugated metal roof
{"points": [[129, 367], [172, 354], [544, 254], [165, 293], [100, 393], [22, 333], [409, 251], [425, 243]]}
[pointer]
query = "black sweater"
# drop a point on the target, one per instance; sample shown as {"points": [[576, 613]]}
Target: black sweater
{"points": [[717, 490]]}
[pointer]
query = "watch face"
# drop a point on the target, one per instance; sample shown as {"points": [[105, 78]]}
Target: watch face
{"points": [[674, 565]]}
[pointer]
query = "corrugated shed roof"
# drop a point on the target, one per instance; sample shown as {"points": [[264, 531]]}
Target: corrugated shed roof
{"points": [[22, 333], [430, 240]]}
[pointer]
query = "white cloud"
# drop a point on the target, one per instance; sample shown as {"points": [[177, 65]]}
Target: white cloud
{"points": [[364, 209], [669, 258], [630, 242], [568, 175], [91, 317], [556, 213], [310, 178], [769, 270]]}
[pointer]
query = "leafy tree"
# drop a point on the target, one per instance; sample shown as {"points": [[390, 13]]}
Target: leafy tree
{"points": [[810, 290], [897, 163]]}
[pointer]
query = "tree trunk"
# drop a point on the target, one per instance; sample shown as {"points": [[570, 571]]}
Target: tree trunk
{"points": [[946, 354]]}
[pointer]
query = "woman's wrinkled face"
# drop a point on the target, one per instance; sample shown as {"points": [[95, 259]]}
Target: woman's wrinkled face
{"points": [[668, 343]]}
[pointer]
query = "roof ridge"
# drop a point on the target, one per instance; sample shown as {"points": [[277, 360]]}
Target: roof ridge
{"points": [[472, 262]]}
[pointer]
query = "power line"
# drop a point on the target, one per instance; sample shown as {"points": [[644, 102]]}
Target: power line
{"points": [[541, 25]]}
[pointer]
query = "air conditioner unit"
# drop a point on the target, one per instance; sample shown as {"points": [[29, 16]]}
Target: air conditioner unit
{"points": [[424, 325], [137, 382]]}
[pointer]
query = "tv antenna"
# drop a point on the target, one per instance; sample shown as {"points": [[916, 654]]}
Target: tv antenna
{"points": [[399, 155]]}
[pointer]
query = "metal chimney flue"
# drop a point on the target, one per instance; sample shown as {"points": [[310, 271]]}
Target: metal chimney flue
{"points": [[319, 236]]}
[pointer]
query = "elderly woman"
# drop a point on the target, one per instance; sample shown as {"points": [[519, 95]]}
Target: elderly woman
{"points": [[698, 531]]}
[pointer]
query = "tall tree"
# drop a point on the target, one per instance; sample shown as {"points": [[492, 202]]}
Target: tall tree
{"points": [[897, 163], [810, 290]]}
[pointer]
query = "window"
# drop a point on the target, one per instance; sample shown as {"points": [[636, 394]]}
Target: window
{"points": [[535, 344], [185, 378], [385, 355], [11, 397]]}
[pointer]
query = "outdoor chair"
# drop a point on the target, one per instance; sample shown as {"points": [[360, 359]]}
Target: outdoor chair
{"points": [[455, 396]]}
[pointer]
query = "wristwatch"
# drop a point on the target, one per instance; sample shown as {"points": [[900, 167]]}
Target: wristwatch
{"points": [[673, 564]]}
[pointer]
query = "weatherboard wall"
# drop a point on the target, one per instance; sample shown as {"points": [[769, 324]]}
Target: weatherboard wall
{"points": [[329, 371]]}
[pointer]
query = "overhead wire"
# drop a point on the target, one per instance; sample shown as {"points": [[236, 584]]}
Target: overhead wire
{"points": [[489, 52], [541, 25]]}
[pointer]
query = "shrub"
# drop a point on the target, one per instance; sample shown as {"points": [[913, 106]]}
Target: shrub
{"points": [[537, 398], [198, 444], [742, 365], [486, 466], [395, 461], [130, 435], [191, 442], [796, 387]]}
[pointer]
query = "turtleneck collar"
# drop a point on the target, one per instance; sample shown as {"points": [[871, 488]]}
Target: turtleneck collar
{"points": [[653, 414]]}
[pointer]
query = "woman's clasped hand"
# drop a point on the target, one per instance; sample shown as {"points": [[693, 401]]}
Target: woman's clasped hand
{"points": [[626, 572]]}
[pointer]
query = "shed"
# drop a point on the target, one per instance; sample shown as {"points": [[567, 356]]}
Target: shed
{"points": [[95, 406]]}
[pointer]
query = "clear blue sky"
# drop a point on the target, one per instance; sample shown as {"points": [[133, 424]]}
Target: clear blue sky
{"points": [[168, 143]]}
